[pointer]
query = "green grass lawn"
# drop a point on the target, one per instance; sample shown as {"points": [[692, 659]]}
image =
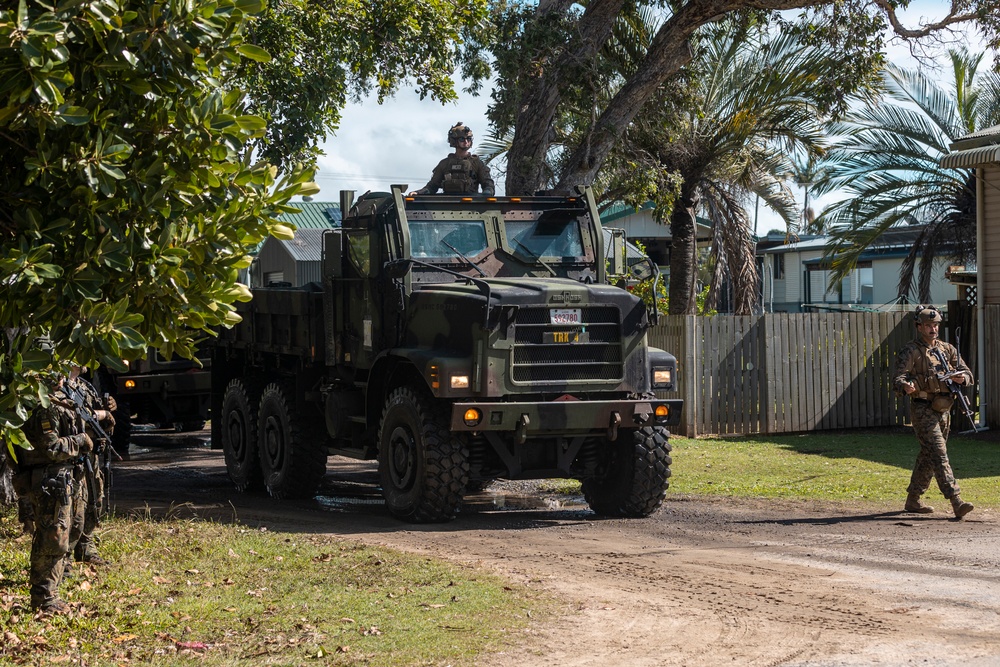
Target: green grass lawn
{"points": [[849, 465], [193, 591]]}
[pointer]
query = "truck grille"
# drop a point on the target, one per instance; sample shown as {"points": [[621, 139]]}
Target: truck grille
{"points": [[539, 361]]}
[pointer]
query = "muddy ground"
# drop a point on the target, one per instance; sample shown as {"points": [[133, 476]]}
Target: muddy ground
{"points": [[702, 582]]}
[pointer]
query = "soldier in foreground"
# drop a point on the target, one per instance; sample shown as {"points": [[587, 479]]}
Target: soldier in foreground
{"points": [[89, 500], [461, 173], [46, 473], [920, 369]]}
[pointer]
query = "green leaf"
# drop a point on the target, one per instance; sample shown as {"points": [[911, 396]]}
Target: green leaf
{"points": [[74, 115], [254, 53]]}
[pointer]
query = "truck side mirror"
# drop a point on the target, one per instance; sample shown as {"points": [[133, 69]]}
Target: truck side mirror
{"points": [[642, 270], [397, 268], [333, 254], [616, 253]]}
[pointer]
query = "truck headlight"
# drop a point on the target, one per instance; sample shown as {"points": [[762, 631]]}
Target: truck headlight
{"points": [[459, 381], [662, 377]]}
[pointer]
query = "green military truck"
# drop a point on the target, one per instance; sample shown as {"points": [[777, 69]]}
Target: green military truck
{"points": [[456, 340]]}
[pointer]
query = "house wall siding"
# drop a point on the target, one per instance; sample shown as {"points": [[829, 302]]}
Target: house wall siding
{"points": [[989, 271]]}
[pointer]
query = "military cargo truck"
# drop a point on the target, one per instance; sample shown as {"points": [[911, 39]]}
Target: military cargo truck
{"points": [[456, 340]]}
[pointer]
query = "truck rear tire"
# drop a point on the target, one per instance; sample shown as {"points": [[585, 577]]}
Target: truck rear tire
{"points": [[292, 457], [239, 436], [424, 467], [635, 477]]}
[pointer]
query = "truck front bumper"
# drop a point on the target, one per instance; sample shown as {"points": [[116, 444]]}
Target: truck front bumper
{"points": [[568, 417]]}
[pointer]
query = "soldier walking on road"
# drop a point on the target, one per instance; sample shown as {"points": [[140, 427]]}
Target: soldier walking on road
{"points": [[58, 439], [920, 366], [461, 173]]}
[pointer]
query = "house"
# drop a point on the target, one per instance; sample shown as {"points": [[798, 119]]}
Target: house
{"points": [[795, 277], [981, 151], [296, 262], [640, 225]]}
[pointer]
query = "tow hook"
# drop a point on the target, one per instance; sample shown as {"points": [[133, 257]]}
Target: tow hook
{"points": [[521, 433], [616, 419]]}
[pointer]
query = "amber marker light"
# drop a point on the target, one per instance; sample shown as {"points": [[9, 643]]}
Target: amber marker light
{"points": [[515, 199], [472, 417], [130, 384], [409, 198], [466, 198], [435, 381], [661, 411]]}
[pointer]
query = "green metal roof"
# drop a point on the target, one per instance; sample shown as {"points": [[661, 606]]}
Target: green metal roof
{"points": [[314, 215]]}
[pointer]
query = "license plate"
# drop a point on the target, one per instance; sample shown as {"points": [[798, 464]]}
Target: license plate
{"points": [[566, 316], [566, 337]]}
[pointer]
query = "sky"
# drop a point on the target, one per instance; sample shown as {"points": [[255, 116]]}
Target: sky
{"points": [[401, 140]]}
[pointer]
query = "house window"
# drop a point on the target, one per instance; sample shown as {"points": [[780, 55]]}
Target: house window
{"points": [[779, 266]]}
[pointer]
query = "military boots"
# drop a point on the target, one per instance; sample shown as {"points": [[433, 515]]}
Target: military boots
{"points": [[914, 505], [961, 507]]}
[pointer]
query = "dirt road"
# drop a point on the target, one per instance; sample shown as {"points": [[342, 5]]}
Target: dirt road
{"points": [[702, 582]]}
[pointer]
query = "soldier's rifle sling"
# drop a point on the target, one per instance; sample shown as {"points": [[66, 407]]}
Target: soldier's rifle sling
{"points": [[954, 388]]}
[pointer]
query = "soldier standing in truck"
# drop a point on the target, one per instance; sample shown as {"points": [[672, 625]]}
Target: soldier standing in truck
{"points": [[462, 172]]}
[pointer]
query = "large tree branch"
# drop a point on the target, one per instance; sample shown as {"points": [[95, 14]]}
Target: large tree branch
{"points": [[535, 118], [951, 19]]}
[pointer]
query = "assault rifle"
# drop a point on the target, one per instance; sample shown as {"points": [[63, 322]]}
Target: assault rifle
{"points": [[948, 378], [102, 447]]}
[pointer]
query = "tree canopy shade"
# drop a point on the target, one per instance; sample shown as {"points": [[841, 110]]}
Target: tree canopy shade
{"points": [[887, 161], [324, 52], [128, 199], [556, 46]]}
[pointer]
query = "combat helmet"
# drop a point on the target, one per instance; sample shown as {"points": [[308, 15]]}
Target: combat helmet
{"points": [[459, 131], [923, 314]]}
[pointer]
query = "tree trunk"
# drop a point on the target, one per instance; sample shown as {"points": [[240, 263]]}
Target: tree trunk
{"points": [[526, 164], [683, 255]]}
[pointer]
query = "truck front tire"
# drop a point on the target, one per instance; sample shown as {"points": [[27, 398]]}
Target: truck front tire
{"points": [[423, 466], [635, 476], [239, 436], [292, 456]]}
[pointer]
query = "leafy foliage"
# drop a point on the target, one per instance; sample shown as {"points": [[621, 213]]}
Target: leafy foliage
{"points": [[325, 52], [128, 198], [888, 162]]}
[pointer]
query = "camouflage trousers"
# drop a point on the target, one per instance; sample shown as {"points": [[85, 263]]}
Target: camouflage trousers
{"points": [[932, 428], [85, 520], [52, 493]]}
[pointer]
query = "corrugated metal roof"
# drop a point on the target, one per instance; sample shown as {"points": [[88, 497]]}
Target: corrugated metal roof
{"points": [[306, 246], [314, 215], [971, 157]]}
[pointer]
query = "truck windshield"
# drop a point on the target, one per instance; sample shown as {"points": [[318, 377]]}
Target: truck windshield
{"points": [[551, 238], [432, 238]]}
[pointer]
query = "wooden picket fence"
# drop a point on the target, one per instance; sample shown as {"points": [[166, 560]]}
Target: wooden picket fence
{"points": [[784, 373]]}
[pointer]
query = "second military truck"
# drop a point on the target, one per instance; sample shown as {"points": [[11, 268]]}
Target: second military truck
{"points": [[456, 340]]}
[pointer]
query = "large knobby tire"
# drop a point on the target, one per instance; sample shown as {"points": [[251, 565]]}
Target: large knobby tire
{"points": [[239, 435], [635, 476], [424, 467], [292, 456]]}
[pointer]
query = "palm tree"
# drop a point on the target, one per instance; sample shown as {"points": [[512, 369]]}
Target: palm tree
{"points": [[755, 107], [888, 162]]}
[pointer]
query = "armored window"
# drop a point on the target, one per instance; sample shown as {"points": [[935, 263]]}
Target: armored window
{"points": [[360, 252], [549, 238], [440, 239]]}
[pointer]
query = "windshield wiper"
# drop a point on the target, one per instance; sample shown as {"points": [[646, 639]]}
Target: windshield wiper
{"points": [[530, 253], [467, 260]]}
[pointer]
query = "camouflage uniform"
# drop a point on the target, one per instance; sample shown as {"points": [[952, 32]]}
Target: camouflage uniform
{"points": [[84, 519], [930, 412], [460, 176], [58, 439]]}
